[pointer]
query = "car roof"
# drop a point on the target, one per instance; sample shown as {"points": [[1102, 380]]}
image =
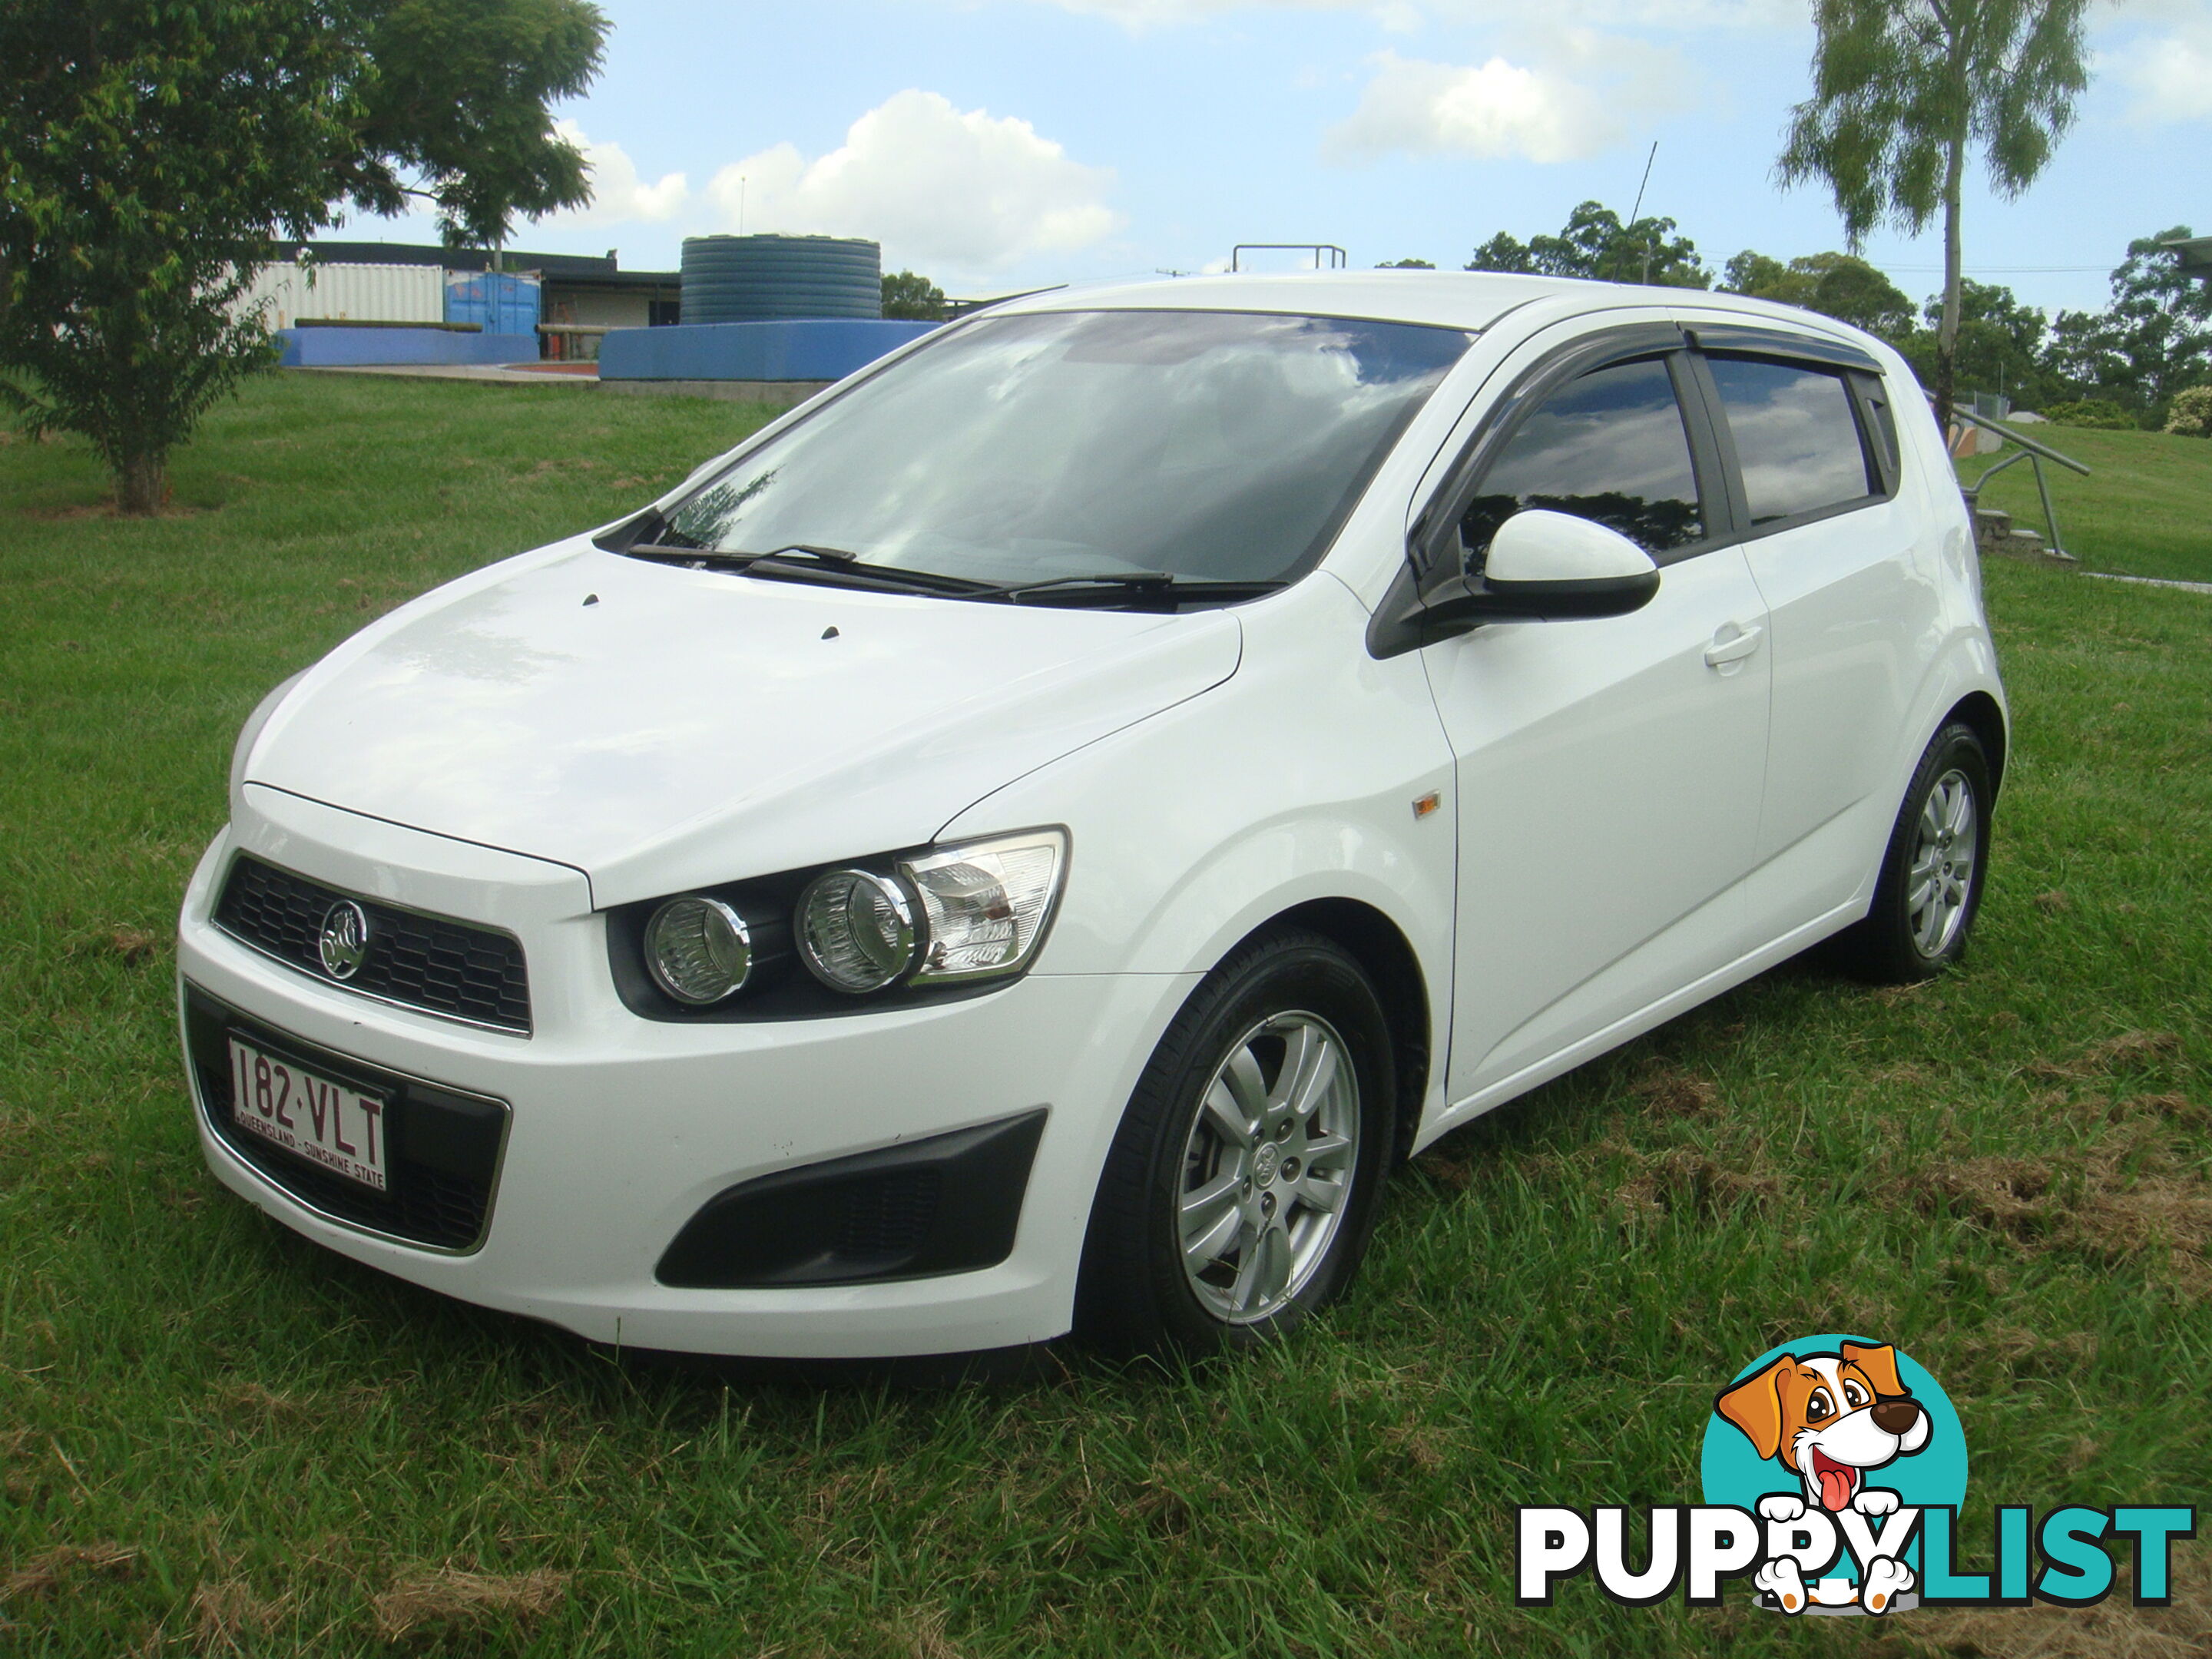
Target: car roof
{"points": [[1451, 299]]}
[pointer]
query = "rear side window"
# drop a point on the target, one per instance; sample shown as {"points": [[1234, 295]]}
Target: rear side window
{"points": [[1796, 437], [1610, 446]]}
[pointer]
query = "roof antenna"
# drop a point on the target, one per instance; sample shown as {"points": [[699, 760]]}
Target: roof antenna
{"points": [[1634, 211]]}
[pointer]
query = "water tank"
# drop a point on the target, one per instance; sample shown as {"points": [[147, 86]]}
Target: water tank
{"points": [[754, 279]]}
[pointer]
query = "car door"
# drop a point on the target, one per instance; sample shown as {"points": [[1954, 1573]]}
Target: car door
{"points": [[1809, 453], [1609, 772]]}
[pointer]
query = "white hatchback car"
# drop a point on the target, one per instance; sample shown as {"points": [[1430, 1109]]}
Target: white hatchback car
{"points": [[1027, 840]]}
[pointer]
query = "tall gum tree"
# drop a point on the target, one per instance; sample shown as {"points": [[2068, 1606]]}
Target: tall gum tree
{"points": [[1904, 89]]}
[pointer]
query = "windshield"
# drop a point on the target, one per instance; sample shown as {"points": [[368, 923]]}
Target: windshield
{"points": [[1213, 446]]}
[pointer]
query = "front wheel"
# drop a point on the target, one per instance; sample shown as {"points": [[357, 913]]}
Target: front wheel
{"points": [[1930, 883], [1241, 1188]]}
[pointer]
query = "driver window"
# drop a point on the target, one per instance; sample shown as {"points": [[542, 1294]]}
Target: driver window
{"points": [[1610, 446]]}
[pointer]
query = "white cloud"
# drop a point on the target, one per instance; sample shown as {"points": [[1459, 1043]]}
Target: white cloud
{"points": [[1497, 110], [618, 195], [1493, 111], [937, 185], [2170, 74]]}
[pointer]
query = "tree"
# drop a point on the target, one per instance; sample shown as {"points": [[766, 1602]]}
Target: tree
{"points": [[912, 298], [1838, 285], [1755, 274], [2002, 345], [1506, 253], [141, 145], [2152, 342], [2000, 340], [1406, 264], [1902, 88], [1594, 244], [455, 97], [152, 152]]}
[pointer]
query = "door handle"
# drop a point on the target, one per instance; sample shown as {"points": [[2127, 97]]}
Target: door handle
{"points": [[1733, 648]]}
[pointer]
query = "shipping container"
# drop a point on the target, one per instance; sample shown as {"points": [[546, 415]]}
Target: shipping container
{"points": [[356, 293], [499, 302]]}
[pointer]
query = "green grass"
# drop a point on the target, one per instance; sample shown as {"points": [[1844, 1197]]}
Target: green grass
{"points": [[2145, 510], [2006, 1173]]}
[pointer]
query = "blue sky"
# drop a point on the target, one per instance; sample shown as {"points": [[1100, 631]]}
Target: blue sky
{"points": [[996, 144]]}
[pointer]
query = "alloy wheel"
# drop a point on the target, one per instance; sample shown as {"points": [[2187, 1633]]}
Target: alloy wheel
{"points": [[1940, 877], [1267, 1166]]}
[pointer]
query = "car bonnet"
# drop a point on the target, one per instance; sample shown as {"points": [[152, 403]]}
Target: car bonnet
{"points": [[660, 728]]}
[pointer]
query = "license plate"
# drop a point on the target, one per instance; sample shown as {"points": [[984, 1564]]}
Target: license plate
{"points": [[309, 1116]]}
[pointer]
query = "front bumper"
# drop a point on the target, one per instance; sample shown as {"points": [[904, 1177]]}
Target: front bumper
{"points": [[621, 1130]]}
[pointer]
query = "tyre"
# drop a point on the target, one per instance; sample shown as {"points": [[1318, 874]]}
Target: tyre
{"points": [[1930, 885], [1242, 1186]]}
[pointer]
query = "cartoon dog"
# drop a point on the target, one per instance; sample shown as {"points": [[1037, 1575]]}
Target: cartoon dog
{"points": [[1828, 1418]]}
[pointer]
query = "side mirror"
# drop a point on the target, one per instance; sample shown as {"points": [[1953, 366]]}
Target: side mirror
{"points": [[1568, 567], [1542, 566], [1550, 567]]}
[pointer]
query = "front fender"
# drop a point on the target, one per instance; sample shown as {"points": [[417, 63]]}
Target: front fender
{"points": [[1294, 781]]}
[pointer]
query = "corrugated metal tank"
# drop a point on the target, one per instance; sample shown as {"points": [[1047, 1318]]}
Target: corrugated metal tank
{"points": [[358, 294], [756, 279]]}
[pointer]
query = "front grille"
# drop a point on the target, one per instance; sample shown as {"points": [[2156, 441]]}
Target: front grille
{"points": [[442, 1147], [419, 962]]}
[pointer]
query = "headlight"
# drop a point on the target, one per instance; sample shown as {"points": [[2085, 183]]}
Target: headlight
{"points": [[903, 925], [855, 930], [985, 903], [699, 949]]}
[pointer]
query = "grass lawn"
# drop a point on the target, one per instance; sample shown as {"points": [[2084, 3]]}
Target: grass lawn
{"points": [[2145, 510], [217, 1438]]}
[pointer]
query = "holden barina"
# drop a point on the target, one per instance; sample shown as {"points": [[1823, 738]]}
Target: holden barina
{"points": [[1027, 842]]}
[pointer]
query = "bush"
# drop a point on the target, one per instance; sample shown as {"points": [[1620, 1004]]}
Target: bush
{"points": [[2191, 414], [2102, 413]]}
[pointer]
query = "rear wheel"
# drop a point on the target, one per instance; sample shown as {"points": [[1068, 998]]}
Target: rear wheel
{"points": [[1930, 883], [1241, 1188]]}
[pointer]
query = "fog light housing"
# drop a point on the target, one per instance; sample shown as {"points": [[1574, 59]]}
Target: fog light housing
{"points": [[856, 931], [699, 949]]}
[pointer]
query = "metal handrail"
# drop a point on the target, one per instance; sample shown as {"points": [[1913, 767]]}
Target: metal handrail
{"points": [[2030, 445], [2034, 454]]}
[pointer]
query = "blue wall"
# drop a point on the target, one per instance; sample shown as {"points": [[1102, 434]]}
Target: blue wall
{"points": [[825, 348], [338, 348]]}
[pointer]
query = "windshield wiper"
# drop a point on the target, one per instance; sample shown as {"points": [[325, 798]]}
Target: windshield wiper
{"points": [[832, 566], [837, 567], [1115, 586]]}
